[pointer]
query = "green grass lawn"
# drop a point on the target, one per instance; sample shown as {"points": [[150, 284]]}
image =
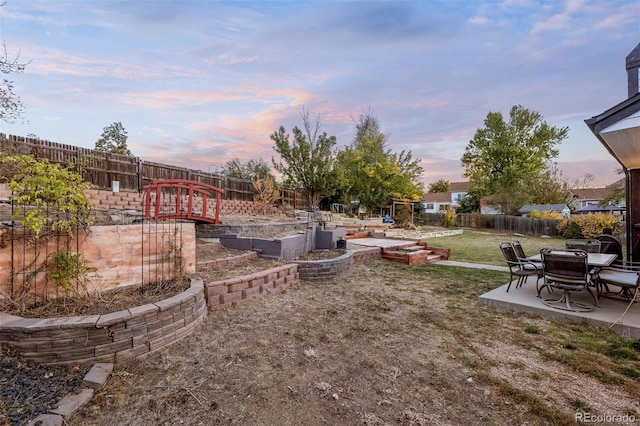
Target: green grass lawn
{"points": [[483, 246]]}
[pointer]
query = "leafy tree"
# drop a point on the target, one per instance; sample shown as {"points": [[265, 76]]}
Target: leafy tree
{"points": [[368, 171], [306, 163], [251, 170], [469, 203], [113, 140], [506, 159], [51, 202], [440, 185], [552, 187], [55, 196]]}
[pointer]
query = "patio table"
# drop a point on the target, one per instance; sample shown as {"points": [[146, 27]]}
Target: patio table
{"points": [[595, 260]]}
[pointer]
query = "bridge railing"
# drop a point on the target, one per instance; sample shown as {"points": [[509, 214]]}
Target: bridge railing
{"points": [[182, 199]]}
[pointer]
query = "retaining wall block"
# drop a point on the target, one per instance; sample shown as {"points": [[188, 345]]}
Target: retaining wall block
{"points": [[268, 286], [231, 297], [251, 292], [128, 355], [75, 354], [93, 337], [216, 288], [213, 301], [170, 329], [145, 339], [256, 281], [111, 348], [113, 318]]}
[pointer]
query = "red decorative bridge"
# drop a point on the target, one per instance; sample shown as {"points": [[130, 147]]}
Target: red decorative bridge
{"points": [[181, 199]]}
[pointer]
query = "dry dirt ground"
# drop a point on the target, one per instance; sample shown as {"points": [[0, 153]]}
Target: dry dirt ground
{"points": [[386, 345]]}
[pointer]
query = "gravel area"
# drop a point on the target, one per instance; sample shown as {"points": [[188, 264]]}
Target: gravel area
{"points": [[28, 389]]}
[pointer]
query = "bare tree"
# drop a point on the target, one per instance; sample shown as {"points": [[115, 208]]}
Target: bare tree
{"points": [[11, 108]]}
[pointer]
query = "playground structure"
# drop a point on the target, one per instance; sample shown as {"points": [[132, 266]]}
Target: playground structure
{"points": [[181, 199]]}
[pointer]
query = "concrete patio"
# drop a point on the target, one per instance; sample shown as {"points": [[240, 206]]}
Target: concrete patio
{"points": [[611, 313]]}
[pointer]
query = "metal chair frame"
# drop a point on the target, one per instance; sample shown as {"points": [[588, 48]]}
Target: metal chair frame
{"points": [[517, 266], [567, 271], [528, 264], [611, 245], [626, 277]]}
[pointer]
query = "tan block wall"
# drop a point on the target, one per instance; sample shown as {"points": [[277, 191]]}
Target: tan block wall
{"points": [[132, 254], [122, 255]]}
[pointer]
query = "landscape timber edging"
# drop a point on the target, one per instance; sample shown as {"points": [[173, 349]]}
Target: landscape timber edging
{"points": [[116, 337]]}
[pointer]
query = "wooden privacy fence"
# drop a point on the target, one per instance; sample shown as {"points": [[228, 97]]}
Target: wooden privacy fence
{"points": [[515, 224], [132, 173]]}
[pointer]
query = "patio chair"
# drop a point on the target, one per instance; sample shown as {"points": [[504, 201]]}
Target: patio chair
{"points": [[626, 277], [590, 246], [517, 266], [611, 245], [528, 264], [567, 271]]}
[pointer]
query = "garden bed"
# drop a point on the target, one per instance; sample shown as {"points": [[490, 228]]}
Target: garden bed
{"points": [[119, 336]]}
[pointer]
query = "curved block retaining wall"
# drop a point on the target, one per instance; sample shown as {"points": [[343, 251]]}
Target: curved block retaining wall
{"points": [[325, 269], [238, 290], [115, 337]]}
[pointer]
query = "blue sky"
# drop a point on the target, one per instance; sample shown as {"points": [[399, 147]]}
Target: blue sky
{"points": [[198, 83]]}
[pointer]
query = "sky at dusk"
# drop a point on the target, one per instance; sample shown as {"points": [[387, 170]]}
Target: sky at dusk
{"points": [[198, 83]]}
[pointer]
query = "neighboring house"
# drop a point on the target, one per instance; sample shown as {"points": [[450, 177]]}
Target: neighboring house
{"points": [[435, 202], [583, 197], [563, 209], [458, 191], [594, 208]]}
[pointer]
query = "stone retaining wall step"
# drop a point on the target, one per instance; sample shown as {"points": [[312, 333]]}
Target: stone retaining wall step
{"points": [[46, 420], [71, 403], [98, 375]]}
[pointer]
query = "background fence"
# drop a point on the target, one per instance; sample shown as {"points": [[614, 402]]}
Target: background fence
{"points": [[132, 173], [515, 224]]}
